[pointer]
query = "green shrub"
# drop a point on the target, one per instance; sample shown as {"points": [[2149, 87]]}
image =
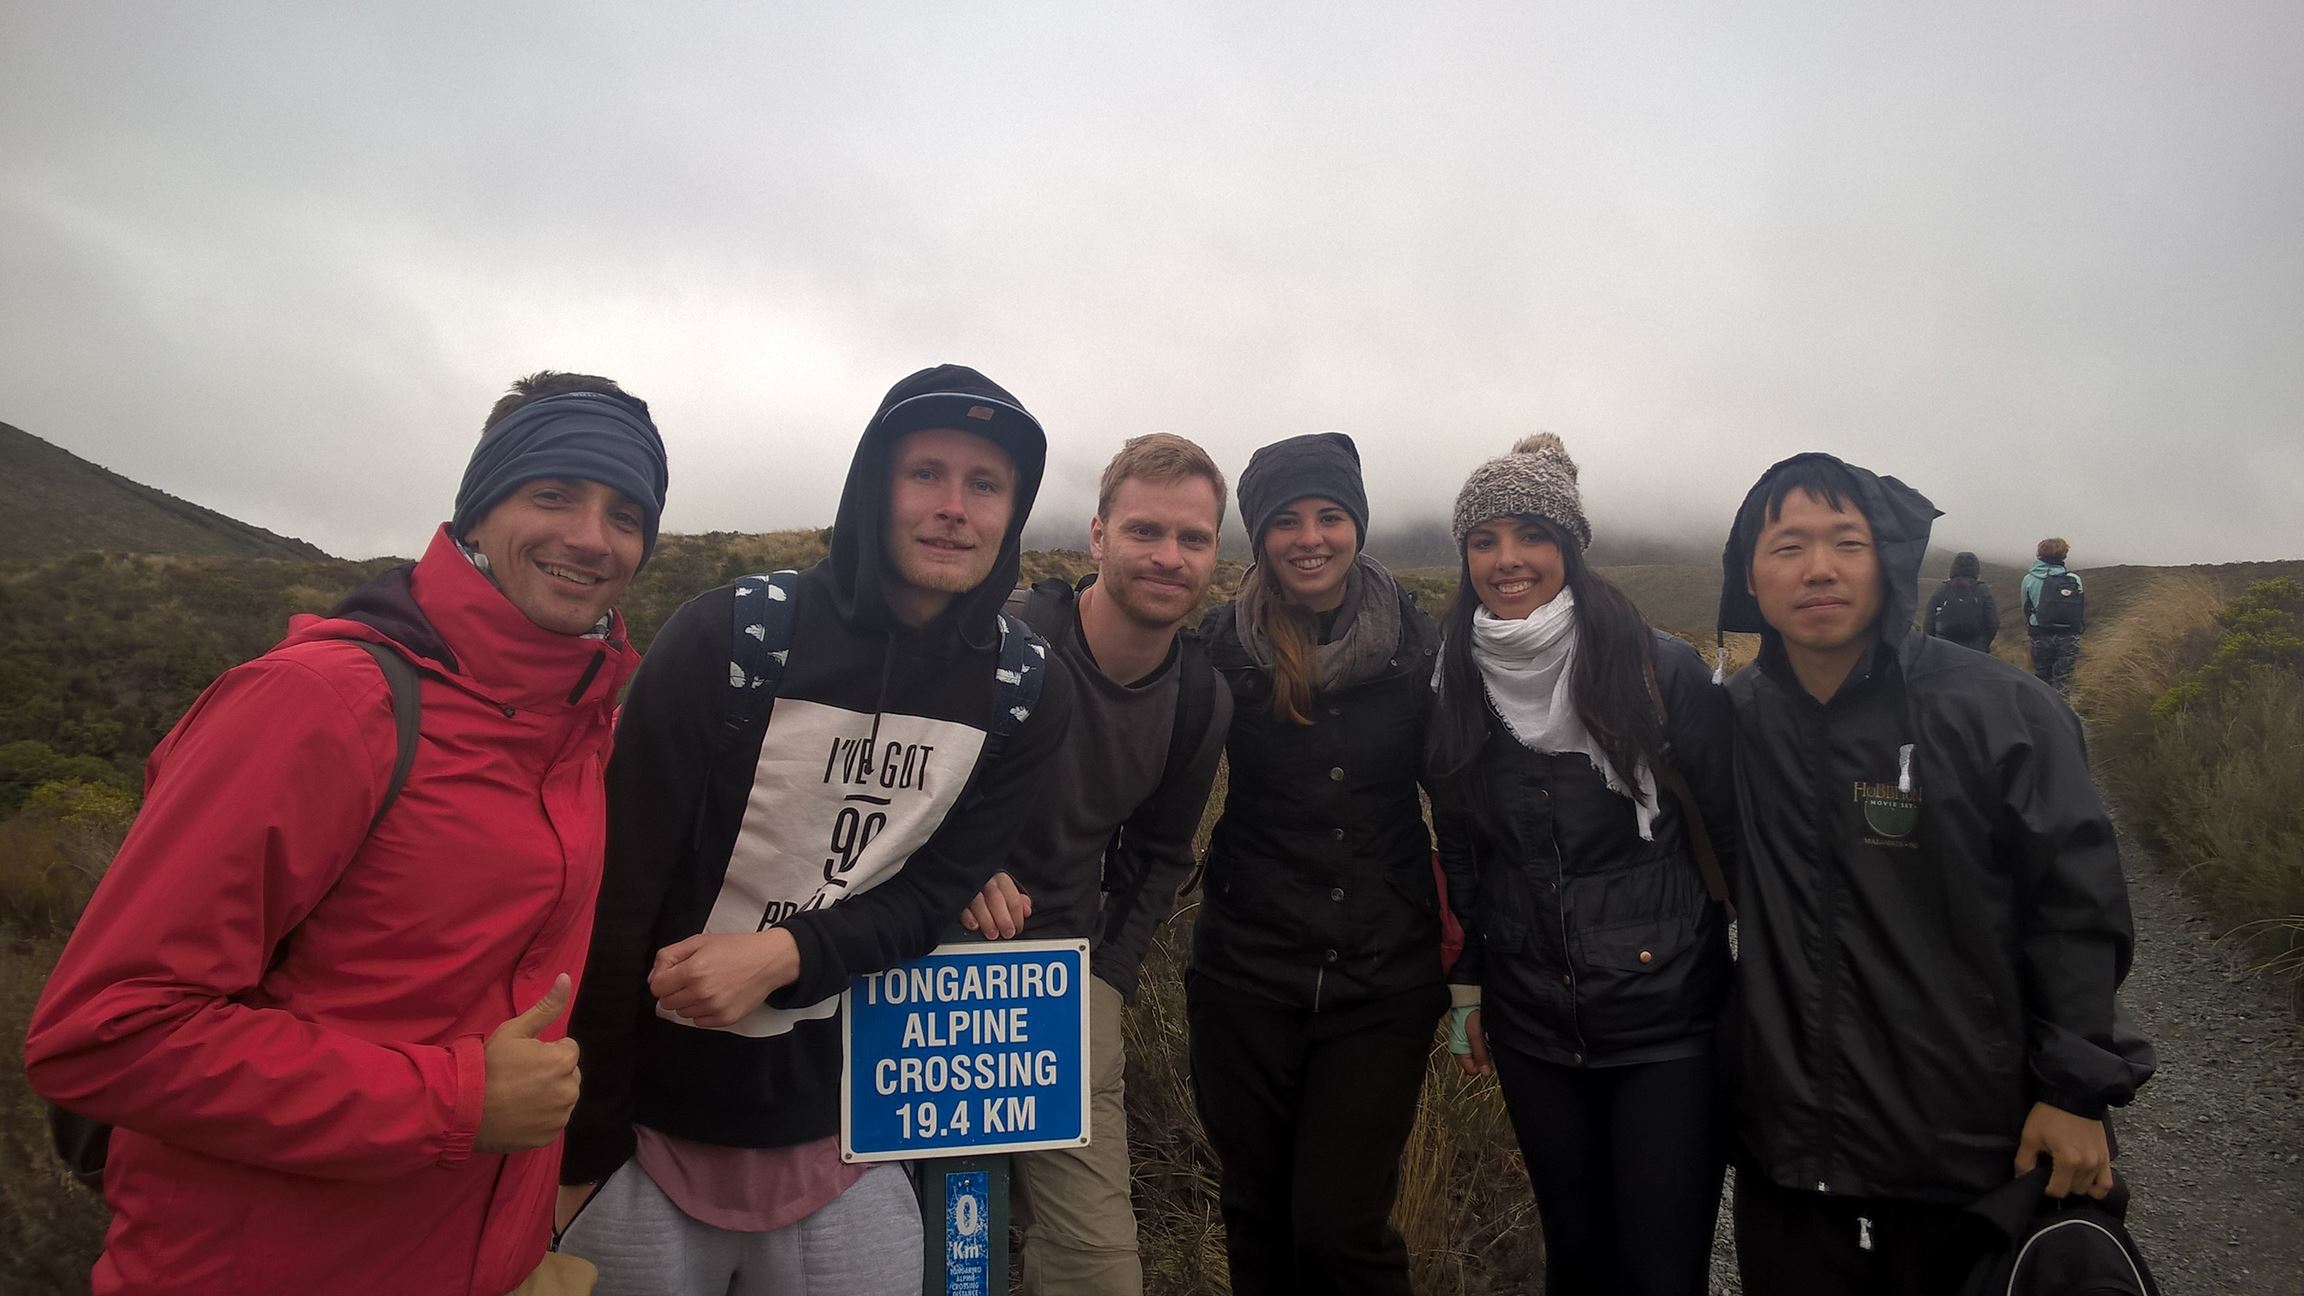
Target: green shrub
{"points": [[53, 852], [50, 1227], [2211, 769]]}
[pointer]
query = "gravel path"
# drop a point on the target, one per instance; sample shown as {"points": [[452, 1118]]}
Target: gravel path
{"points": [[2213, 1148]]}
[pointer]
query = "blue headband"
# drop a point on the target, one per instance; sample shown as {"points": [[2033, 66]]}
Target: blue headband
{"points": [[581, 436]]}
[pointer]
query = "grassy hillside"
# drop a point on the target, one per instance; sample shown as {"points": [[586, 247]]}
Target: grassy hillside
{"points": [[61, 504]]}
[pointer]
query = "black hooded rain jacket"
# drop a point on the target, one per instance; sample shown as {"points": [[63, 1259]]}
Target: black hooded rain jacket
{"points": [[706, 833], [1919, 961]]}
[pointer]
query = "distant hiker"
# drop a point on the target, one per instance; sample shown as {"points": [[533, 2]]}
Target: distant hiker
{"points": [[1315, 979], [2055, 611], [1933, 924], [746, 887], [319, 994], [1962, 609], [1595, 958], [1113, 838]]}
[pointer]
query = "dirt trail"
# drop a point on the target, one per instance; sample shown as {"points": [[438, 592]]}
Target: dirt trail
{"points": [[2213, 1148]]}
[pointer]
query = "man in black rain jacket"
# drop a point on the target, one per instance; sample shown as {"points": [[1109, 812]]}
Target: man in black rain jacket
{"points": [[1933, 922]]}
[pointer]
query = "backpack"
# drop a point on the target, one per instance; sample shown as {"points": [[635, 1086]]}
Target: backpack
{"points": [[2060, 604], [2040, 1247], [83, 1144], [1046, 605], [761, 636], [1961, 615]]}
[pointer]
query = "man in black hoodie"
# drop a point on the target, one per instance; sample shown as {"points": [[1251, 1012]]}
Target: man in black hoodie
{"points": [[1933, 922], [752, 875]]}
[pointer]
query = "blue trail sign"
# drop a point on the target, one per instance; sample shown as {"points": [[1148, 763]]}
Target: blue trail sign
{"points": [[980, 1047]]}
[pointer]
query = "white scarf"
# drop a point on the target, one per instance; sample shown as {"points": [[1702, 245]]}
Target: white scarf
{"points": [[1529, 668]]}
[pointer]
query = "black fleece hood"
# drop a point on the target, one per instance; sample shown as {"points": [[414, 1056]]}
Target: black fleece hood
{"points": [[949, 396], [1901, 518]]}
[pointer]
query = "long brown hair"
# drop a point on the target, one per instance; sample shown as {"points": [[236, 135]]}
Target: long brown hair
{"points": [[1295, 638], [1610, 688]]}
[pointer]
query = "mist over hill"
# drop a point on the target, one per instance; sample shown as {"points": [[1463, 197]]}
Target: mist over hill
{"points": [[1422, 542], [62, 504]]}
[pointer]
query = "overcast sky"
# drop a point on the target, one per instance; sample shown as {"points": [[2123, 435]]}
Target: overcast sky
{"points": [[2043, 261]]}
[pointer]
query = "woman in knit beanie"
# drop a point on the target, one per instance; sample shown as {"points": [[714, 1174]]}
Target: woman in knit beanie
{"points": [[1315, 978], [1580, 761]]}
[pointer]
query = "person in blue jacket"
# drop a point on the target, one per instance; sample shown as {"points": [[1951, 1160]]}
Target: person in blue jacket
{"points": [[2055, 612]]}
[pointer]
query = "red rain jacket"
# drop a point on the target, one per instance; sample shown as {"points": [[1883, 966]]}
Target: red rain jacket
{"points": [[285, 1015]]}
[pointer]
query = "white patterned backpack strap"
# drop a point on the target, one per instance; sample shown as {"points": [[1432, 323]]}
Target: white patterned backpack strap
{"points": [[760, 637]]}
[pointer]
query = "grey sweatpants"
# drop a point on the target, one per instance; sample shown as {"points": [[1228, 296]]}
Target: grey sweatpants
{"points": [[865, 1243]]}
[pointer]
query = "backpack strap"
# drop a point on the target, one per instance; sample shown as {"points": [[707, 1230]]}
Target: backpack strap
{"points": [[1044, 605], [1195, 702], [84, 1145], [1016, 681], [1196, 685], [407, 718], [1669, 775], [759, 639]]}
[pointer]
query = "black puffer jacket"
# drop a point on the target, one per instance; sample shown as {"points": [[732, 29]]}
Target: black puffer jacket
{"points": [[1592, 946], [1917, 966], [1319, 875]]}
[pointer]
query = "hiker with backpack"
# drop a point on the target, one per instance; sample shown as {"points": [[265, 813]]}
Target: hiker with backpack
{"points": [[1113, 841], [1932, 921], [813, 775], [1962, 609], [1581, 765], [319, 991], [2055, 612], [1315, 982]]}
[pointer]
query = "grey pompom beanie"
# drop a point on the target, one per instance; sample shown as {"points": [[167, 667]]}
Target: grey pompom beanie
{"points": [[1537, 478]]}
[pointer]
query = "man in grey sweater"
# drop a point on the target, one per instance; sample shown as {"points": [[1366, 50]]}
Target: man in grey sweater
{"points": [[1113, 839]]}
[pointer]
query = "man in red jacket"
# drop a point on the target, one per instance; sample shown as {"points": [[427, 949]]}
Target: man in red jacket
{"points": [[329, 1040]]}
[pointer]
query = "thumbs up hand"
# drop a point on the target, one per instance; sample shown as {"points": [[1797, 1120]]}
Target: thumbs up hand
{"points": [[531, 1085]]}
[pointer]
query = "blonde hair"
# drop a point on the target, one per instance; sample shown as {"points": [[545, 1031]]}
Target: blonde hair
{"points": [[1159, 457], [1295, 638]]}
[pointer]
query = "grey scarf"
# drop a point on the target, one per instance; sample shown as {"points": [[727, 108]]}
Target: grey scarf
{"points": [[1368, 626]]}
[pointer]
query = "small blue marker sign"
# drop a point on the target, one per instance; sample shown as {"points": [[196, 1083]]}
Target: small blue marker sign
{"points": [[980, 1047], [968, 1234]]}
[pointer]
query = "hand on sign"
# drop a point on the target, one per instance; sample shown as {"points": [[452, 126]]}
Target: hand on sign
{"points": [[529, 1086], [999, 910], [716, 978]]}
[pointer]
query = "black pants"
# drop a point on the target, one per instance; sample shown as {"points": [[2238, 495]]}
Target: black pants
{"points": [[2053, 657], [1791, 1242], [1625, 1164], [1308, 1114]]}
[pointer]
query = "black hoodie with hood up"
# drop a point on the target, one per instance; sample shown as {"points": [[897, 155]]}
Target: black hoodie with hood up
{"points": [[1933, 922], [861, 818]]}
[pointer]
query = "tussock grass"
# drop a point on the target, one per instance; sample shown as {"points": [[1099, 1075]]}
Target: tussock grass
{"points": [[51, 857], [50, 1227], [2127, 664], [2212, 776], [1464, 1206]]}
